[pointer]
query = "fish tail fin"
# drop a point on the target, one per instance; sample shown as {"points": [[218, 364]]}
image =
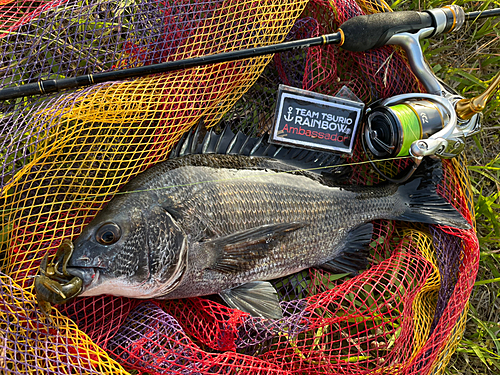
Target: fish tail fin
{"points": [[423, 204]]}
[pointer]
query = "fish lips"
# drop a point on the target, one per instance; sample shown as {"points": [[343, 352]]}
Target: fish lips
{"points": [[89, 273]]}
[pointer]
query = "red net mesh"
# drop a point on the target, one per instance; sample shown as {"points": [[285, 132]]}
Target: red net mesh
{"points": [[63, 156]]}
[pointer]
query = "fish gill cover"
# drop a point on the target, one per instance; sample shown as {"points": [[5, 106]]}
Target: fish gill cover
{"points": [[63, 156]]}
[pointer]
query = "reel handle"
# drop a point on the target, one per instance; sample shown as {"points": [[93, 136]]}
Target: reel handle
{"points": [[466, 108], [374, 30]]}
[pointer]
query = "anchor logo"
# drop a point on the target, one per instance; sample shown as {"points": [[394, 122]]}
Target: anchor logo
{"points": [[289, 117]]}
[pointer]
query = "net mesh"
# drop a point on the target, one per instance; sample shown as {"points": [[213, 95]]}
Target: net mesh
{"points": [[63, 156]]}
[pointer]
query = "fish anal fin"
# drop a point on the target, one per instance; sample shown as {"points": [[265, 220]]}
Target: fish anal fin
{"points": [[354, 254], [239, 251], [258, 298]]}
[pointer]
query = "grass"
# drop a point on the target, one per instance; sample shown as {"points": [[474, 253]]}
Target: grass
{"points": [[467, 60]]}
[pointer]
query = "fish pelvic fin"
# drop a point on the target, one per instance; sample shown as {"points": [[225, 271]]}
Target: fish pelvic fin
{"points": [[423, 204], [354, 255], [258, 298], [240, 251]]}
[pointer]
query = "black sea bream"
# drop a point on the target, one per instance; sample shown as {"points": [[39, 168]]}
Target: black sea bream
{"points": [[210, 223]]}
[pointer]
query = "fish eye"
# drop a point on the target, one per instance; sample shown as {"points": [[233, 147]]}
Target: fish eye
{"points": [[108, 234]]}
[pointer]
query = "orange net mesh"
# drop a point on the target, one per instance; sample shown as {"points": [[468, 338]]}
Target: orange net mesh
{"points": [[65, 155]]}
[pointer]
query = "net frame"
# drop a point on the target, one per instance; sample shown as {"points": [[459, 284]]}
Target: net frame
{"points": [[97, 134]]}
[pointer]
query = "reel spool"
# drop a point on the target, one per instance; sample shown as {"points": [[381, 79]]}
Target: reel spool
{"points": [[414, 125], [391, 130], [418, 125]]}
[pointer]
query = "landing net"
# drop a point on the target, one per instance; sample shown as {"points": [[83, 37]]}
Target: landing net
{"points": [[63, 156]]}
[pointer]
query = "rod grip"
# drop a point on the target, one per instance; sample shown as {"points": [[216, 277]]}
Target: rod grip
{"points": [[374, 30]]}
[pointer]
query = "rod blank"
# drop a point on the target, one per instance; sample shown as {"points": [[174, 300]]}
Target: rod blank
{"points": [[48, 86], [361, 33], [482, 14]]}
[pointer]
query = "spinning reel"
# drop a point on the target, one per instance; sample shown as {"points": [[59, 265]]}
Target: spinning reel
{"points": [[415, 125], [418, 125]]}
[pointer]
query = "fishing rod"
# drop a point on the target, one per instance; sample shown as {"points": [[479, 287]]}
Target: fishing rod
{"points": [[356, 34], [435, 123]]}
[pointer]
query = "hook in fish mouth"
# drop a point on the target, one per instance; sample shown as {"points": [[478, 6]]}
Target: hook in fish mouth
{"points": [[54, 285]]}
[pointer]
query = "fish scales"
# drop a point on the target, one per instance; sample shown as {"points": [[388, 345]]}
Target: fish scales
{"points": [[231, 200], [203, 224], [261, 198]]}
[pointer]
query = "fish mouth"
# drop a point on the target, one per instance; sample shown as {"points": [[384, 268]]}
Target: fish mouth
{"points": [[88, 270], [89, 275]]}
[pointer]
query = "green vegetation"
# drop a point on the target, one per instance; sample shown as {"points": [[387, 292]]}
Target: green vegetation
{"points": [[467, 60]]}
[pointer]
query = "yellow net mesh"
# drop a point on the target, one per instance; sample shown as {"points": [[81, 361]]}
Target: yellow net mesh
{"points": [[66, 155]]}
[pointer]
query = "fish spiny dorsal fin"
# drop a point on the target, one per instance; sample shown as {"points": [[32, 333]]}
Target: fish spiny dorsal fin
{"points": [[212, 141], [189, 142], [200, 140], [272, 151], [175, 151], [237, 143], [186, 144], [224, 140], [252, 147], [205, 144], [194, 139]]}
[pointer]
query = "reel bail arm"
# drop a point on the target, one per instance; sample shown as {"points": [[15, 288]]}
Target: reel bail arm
{"points": [[431, 124]]}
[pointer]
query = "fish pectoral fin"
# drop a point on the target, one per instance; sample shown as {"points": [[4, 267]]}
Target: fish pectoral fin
{"points": [[258, 298], [240, 251], [354, 254]]}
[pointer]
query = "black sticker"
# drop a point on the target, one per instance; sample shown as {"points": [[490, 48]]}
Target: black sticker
{"points": [[310, 120]]}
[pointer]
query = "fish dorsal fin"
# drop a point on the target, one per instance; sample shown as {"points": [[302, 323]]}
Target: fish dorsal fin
{"points": [[206, 141], [258, 298], [225, 139], [240, 251], [237, 143]]}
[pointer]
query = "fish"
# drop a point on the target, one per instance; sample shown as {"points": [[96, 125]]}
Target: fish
{"points": [[228, 213]]}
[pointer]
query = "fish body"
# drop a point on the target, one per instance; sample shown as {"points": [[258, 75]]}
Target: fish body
{"points": [[204, 224]]}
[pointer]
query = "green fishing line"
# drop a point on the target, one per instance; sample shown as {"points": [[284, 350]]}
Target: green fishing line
{"points": [[90, 197], [410, 126]]}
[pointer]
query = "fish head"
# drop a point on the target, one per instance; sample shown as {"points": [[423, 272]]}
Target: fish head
{"points": [[133, 250]]}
